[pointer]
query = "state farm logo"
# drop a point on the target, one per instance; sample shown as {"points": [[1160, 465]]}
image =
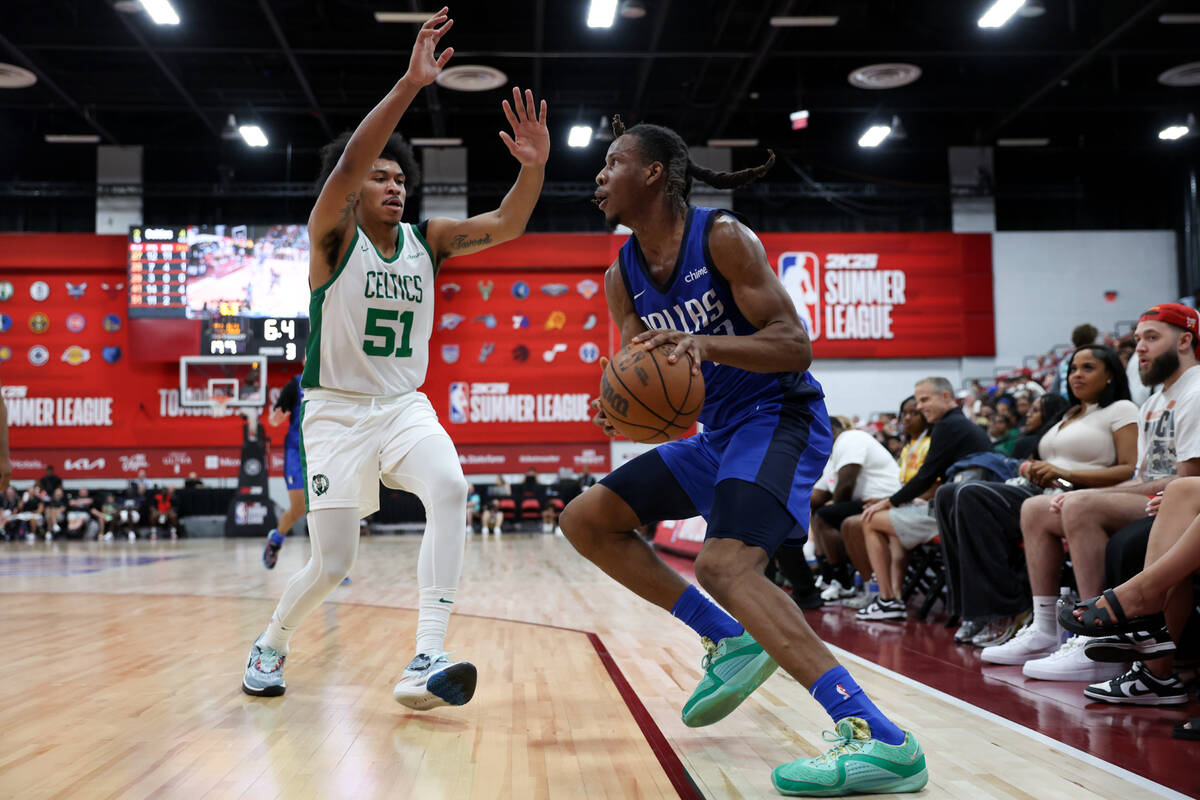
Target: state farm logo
{"points": [[176, 458], [134, 462], [83, 464], [800, 274]]}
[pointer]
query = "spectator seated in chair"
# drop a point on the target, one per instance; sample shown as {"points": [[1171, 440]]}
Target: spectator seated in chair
{"points": [[473, 509], [107, 515], [80, 524], [56, 511], [165, 512]]}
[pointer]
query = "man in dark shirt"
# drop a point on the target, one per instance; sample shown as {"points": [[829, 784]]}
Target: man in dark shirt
{"points": [[894, 526], [50, 481]]}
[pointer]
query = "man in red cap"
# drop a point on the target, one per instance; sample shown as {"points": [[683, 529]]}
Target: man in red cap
{"points": [[1168, 336]]}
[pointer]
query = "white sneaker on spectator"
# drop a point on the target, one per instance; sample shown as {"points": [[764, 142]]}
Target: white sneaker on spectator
{"points": [[861, 599], [1028, 645], [1140, 687], [132, 536], [1069, 663], [835, 592], [49, 536], [496, 531], [547, 527]]}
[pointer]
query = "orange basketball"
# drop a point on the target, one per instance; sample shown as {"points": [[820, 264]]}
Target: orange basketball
{"points": [[646, 397]]}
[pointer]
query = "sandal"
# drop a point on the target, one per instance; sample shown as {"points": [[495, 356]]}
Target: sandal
{"points": [[1188, 729], [1093, 614]]}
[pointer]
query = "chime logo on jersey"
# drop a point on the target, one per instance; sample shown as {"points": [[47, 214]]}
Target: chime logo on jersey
{"points": [[111, 323], [450, 353], [76, 323], [113, 290], [556, 321], [6, 290], [111, 354], [460, 402], [485, 351], [485, 289], [39, 290], [800, 274], [5, 354], [5, 323], [39, 322], [38, 355], [589, 353], [520, 290], [590, 322], [520, 321], [555, 289], [587, 287], [320, 484], [548, 355], [449, 290], [520, 353], [488, 320], [76, 290], [449, 322], [76, 355]]}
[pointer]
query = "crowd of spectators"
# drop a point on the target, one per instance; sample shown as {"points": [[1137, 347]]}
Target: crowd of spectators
{"points": [[491, 506], [1050, 485]]}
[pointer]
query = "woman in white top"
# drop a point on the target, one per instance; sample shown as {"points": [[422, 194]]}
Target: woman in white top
{"points": [[1094, 444]]}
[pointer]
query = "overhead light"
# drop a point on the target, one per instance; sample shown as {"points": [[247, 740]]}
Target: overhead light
{"points": [[72, 138], [579, 136], [471, 78], [1173, 132], [1000, 13], [14, 77], [403, 16], [1032, 8], [799, 119], [803, 22], [230, 131], [1031, 141], [633, 9], [890, 75], [1181, 75], [161, 12], [601, 13], [445, 141], [253, 135], [1179, 19], [874, 135], [899, 133], [733, 142]]}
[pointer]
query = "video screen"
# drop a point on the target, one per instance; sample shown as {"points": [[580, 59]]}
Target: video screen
{"points": [[202, 272]]}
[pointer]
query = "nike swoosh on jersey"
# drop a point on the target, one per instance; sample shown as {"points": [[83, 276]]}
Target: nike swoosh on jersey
{"points": [[639, 294]]}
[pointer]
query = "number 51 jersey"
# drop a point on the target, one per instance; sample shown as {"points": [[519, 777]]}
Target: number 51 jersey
{"points": [[369, 325]]}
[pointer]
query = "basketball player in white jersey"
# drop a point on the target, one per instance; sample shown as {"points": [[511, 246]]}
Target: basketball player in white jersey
{"points": [[363, 419]]}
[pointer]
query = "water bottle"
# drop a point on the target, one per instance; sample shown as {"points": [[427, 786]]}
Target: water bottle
{"points": [[873, 587], [1066, 599]]}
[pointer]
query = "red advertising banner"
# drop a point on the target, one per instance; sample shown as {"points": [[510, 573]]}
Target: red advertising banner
{"points": [[890, 295], [682, 537]]}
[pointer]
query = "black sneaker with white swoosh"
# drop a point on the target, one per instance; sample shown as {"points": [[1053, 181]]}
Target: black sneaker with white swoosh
{"points": [[1128, 646], [1139, 687]]}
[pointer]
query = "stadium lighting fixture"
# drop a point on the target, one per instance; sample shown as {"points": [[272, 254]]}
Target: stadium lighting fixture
{"points": [[436, 141], [1173, 132], [601, 13], [161, 12], [579, 136], [403, 16], [253, 135], [803, 22], [72, 138], [1000, 13], [1026, 141], [874, 135], [733, 142]]}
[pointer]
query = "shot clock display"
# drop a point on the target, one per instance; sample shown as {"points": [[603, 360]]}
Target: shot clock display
{"points": [[272, 337]]}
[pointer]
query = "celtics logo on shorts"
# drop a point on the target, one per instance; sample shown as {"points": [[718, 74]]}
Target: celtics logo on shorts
{"points": [[320, 484]]}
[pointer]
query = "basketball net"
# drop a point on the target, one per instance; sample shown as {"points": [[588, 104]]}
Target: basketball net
{"points": [[219, 405]]}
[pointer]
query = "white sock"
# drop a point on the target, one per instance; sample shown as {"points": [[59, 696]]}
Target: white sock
{"points": [[434, 617], [1045, 614], [277, 637]]}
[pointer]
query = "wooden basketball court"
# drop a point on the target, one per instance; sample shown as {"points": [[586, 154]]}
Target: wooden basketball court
{"points": [[122, 666]]}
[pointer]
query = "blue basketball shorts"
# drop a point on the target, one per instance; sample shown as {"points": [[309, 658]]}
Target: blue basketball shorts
{"points": [[751, 480], [293, 468]]}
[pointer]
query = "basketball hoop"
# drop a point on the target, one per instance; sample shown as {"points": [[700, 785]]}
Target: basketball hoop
{"points": [[219, 405]]}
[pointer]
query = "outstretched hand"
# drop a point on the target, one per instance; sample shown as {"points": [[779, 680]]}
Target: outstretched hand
{"points": [[423, 65], [530, 140]]}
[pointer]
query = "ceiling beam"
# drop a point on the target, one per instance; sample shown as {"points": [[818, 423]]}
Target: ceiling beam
{"points": [[660, 22], [167, 73], [28, 63], [1074, 67], [291, 58], [731, 101], [432, 102]]}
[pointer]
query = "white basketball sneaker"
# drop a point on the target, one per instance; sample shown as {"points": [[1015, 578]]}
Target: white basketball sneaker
{"points": [[432, 680]]}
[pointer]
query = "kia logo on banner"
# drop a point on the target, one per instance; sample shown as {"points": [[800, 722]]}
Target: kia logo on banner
{"points": [[800, 274], [83, 464]]}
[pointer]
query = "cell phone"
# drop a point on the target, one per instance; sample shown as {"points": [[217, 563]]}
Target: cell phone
{"points": [[1064, 484]]}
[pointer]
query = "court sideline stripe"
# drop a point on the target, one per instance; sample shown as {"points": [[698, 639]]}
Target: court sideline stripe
{"points": [[1041, 738]]}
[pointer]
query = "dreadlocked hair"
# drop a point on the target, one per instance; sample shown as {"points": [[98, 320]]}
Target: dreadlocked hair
{"points": [[396, 149], [667, 147]]}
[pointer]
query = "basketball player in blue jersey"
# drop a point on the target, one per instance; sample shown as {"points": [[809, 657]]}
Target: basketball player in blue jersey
{"points": [[699, 279], [288, 407], [364, 419]]}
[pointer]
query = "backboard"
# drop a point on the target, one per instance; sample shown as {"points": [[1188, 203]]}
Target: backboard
{"points": [[209, 381]]}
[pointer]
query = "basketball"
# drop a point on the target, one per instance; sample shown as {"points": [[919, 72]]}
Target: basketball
{"points": [[647, 398]]}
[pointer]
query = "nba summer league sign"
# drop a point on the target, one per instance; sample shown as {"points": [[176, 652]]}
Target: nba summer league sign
{"points": [[889, 295]]}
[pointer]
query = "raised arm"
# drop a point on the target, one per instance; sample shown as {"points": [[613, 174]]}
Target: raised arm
{"points": [[779, 345], [529, 144], [333, 215]]}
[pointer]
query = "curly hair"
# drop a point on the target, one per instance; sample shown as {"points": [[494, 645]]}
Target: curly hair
{"points": [[668, 148], [396, 149]]}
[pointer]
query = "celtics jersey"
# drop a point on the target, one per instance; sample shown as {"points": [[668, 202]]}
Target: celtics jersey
{"points": [[369, 325]]}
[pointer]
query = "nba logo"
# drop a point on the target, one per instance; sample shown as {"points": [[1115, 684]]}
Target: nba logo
{"points": [[800, 274], [460, 398]]}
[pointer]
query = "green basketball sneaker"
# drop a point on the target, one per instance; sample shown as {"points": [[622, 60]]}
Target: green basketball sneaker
{"points": [[733, 668], [857, 764]]}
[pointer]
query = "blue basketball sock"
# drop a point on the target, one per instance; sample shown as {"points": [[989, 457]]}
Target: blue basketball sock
{"points": [[842, 697], [704, 617]]}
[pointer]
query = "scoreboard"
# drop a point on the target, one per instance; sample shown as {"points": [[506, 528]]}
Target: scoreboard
{"points": [[158, 270], [271, 337]]}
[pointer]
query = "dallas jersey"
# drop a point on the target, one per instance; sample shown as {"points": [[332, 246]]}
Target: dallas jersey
{"points": [[369, 325], [697, 299]]}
